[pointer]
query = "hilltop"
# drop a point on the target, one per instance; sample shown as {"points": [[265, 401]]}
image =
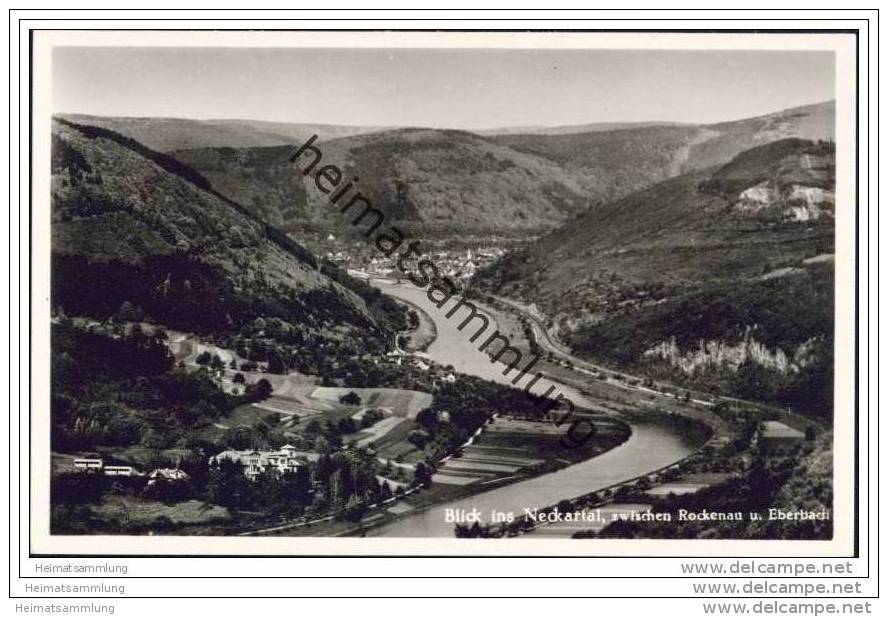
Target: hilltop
{"points": [[627, 159], [574, 128], [453, 183], [433, 180]]}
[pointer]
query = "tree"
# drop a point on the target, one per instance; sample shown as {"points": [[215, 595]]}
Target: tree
{"points": [[313, 428], [371, 417], [427, 418], [153, 440], [228, 486], [203, 358], [216, 363], [385, 491], [239, 378], [350, 399]]}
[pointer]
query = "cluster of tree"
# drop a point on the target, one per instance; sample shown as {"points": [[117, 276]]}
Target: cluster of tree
{"points": [[179, 290], [342, 483], [270, 492], [757, 165], [286, 346], [383, 308], [328, 434], [186, 292]]}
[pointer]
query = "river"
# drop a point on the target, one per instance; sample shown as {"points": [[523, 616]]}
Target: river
{"points": [[650, 446]]}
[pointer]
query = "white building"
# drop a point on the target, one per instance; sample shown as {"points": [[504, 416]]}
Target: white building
{"points": [[256, 462]]}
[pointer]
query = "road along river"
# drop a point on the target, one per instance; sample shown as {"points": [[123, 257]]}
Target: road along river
{"points": [[650, 447]]}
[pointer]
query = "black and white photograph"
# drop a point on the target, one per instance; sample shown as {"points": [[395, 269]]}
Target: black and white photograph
{"points": [[465, 292]]}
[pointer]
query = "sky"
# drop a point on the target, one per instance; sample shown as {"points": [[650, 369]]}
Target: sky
{"points": [[465, 89]]}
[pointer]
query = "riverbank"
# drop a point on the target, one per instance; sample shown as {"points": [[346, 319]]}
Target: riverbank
{"points": [[559, 357]]}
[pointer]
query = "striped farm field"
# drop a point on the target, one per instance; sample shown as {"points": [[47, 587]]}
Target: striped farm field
{"points": [[442, 478], [508, 425], [501, 450], [663, 490]]}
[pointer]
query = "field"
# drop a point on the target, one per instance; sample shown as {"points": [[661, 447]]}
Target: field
{"points": [[425, 332], [688, 484], [298, 399], [136, 511], [388, 437], [246, 415], [394, 445]]}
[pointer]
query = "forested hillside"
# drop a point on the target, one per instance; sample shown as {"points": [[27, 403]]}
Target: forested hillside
{"points": [[133, 225]]}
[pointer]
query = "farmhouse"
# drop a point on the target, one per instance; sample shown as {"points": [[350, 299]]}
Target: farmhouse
{"points": [[256, 462], [775, 434]]}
